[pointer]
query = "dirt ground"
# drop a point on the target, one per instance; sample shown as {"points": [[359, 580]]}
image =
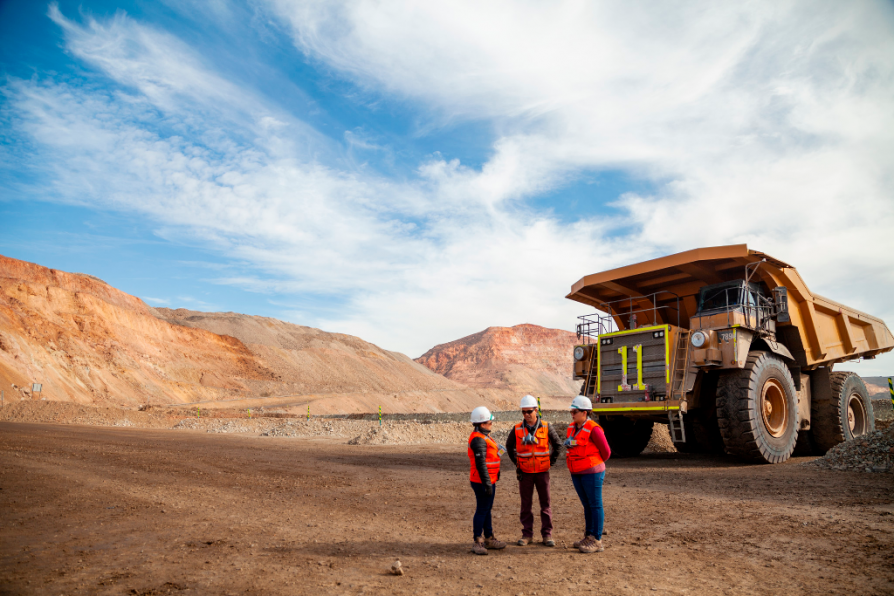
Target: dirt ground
{"points": [[90, 510]]}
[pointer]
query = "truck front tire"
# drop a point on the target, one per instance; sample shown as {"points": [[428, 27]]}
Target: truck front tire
{"points": [[757, 410], [627, 437], [848, 414]]}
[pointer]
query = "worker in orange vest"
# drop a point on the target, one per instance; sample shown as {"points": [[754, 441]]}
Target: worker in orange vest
{"points": [[587, 452], [533, 447], [484, 460]]}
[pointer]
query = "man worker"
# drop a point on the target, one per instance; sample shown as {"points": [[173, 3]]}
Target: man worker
{"points": [[533, 447]]}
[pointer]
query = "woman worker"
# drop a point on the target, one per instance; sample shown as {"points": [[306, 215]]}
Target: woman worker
{"points": [[484, 459], [587, 451]]}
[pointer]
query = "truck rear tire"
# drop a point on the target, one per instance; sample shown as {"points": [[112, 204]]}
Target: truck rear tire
{"points": [[627, 437], [847, 415], [757, 410]]}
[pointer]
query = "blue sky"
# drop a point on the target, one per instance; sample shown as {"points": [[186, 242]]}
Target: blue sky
{"points": [[414, 172]]}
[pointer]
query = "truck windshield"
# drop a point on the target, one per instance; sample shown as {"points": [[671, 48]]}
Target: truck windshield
{"points": [[726, 296]]}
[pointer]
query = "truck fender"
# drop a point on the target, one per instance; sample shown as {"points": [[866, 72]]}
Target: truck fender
{"points": [[777, 348]]}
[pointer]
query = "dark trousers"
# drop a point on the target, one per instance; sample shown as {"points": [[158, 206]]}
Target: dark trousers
{"points": [[589, 490], [526, 484], [481, 522]]}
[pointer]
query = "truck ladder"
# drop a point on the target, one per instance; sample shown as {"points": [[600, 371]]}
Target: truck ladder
{"points": [[678, 386], [590, 385], [675, 426], [681, 366]]}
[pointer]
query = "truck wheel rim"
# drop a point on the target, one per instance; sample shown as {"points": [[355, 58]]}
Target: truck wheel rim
{"points": [[856, 415], [773, 408]]}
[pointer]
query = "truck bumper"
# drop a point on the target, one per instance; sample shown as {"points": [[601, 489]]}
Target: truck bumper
{"points": [[649, 408]]}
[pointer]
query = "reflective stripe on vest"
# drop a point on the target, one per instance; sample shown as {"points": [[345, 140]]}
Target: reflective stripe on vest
{"points": [[532, 458], [492, 459], [583, 455]]}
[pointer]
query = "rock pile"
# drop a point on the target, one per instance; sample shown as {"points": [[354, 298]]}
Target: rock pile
{"points": [[315, 428], [217, 426], [452, 433], [873, 452], [661, 441], [374, 436]]}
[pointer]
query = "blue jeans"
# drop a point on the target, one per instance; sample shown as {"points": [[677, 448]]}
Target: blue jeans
{"points": [[481, 522], [589, 490]]}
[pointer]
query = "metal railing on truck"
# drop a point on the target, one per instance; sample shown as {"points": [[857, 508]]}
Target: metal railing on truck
{"points": [[593, 325]]}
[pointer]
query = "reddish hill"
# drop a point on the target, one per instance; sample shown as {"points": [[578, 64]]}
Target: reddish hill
{"points": [[90, 343], [521, 359]]}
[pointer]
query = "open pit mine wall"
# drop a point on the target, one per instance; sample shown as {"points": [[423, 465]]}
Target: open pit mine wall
{"points": [[521, 359], [87, 342]]}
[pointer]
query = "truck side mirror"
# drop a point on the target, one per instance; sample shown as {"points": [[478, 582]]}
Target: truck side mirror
{"points": [[780, 299]]}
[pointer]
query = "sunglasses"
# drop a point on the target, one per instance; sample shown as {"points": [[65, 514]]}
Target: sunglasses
{"points": [[528, 411]]}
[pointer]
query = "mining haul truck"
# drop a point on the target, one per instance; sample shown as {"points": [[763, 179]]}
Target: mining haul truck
{"points": [[730, 349]]}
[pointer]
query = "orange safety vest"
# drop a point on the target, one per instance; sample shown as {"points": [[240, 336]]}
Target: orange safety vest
{"points": [[582, 454], [532, 458], [492, 459]]}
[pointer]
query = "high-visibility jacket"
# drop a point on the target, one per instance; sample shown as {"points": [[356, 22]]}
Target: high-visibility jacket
{"points": [[532, 458], [581, 453], [492, 459]]}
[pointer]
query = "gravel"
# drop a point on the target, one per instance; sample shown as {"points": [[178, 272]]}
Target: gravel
{"points": [[661, 441], [872, 452]]}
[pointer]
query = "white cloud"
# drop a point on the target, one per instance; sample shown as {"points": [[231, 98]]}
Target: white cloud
{"points": [[764, 123], [767, 123]]}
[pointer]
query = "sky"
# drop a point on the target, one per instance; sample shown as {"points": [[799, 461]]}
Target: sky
{"points": [[414, 172]]}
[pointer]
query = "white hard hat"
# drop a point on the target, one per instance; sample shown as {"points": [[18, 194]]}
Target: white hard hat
{"points": [[481, 414], [581, 403], [528, 401]]}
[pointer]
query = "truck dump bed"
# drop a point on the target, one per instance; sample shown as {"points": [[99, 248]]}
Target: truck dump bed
{"points": [[820, 331]]}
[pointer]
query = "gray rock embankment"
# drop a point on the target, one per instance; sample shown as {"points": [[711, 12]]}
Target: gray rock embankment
{"points": [[872, 452], [403, 429]]}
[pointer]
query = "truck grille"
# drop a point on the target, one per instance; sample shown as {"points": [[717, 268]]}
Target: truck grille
{"points": [[651, 368]]}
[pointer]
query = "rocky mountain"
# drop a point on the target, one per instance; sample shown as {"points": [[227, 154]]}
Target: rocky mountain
{"points": [[90, 343], [877, 386], [521, 359]]}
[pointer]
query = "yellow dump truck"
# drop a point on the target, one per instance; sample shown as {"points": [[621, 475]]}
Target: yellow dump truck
{"points": [[728, 347]]}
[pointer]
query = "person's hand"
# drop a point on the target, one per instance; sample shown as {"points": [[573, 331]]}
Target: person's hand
{"points": [[488, 490], [518, 473]]}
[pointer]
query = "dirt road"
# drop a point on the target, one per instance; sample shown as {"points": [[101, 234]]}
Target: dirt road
{"points": [[91, 510]]}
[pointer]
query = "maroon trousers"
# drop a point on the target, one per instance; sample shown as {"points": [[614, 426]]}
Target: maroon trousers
{"points": [[526, 489]]}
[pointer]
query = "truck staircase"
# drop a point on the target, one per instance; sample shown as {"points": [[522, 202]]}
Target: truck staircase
{"points": [[678, 386], [681, 366], [675, 426], [592, 376]]}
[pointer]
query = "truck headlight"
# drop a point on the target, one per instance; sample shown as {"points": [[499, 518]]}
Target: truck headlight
{"points": [[579, 353], [698, 339]]}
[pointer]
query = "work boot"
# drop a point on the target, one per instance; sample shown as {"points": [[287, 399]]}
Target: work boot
{"points": [[581, 541], [494, 544], [525, 540], [548, 541], [478, 546], [590, 545]]}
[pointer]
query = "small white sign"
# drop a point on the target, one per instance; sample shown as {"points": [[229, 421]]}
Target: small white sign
{"points": [[36, 387]]}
